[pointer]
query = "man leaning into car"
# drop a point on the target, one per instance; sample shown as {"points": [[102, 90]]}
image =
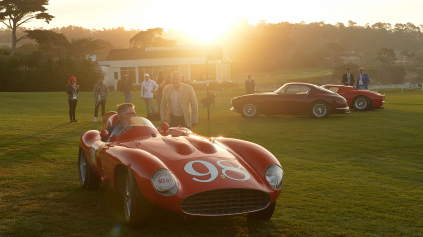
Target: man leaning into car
{"points": [[125, 112]]}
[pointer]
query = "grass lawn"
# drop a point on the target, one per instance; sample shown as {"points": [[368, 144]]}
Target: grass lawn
{"points": [[358, 174]]}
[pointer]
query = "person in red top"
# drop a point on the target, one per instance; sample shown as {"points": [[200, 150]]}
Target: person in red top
{"points": [[72, 89]]}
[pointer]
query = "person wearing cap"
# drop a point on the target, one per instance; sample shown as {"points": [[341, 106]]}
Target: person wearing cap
{"points": [[363, 80], [348, 78], [72, 89], [101, 92], [179, 104], [126, 88], [147, 88], [250, 86]]}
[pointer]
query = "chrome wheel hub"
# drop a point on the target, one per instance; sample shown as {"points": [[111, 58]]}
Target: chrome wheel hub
{"points": [[250, 109], [319, 110], [360, 103]]}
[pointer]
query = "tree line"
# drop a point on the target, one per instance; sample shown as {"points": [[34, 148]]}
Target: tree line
{"points": [[251, 47]]}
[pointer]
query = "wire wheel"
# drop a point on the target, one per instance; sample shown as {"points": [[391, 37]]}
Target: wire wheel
{"points": [[319, 109], [361, 103], [249, 110]]}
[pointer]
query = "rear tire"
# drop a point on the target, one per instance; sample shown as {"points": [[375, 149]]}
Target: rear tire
{"points": [[249, 110], [137, 209], [319, 109], [264, 214], [88, 179], [361, 103]]}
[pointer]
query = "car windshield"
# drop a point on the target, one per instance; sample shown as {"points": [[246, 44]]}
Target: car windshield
{"points": [[329, 89], [134, 122], [282, 89], [140, 121]]}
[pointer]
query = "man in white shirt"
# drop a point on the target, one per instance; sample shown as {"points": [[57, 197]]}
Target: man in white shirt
{"points": [[148, 86], [362, 80]]}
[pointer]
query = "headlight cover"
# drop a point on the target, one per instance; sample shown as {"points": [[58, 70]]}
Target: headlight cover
{"points": [[274, 175], [164, 182]]}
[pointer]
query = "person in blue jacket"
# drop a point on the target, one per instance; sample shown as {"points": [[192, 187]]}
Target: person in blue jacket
{"points": [[363, 80]]}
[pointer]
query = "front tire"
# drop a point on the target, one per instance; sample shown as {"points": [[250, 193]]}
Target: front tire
{"points": [[137, 209], [361, 103], [264, 214], [319, 109], [88, 179], [249, 110]]}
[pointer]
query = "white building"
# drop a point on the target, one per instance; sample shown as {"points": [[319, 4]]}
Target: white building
{"points": [[189, 60]]}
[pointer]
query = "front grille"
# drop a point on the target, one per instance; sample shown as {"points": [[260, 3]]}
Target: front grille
{"points": [[225, 202]]}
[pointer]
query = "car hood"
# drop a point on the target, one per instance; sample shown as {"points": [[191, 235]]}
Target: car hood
{"points": [[179, 148], [249, 96]]}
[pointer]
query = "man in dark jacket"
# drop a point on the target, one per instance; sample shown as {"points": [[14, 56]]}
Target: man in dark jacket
{"points": [[250, 86], [348, 78], [126, 88]]}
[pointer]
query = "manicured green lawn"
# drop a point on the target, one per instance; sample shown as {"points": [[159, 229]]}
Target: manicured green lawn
{"points": [[359, 174]]}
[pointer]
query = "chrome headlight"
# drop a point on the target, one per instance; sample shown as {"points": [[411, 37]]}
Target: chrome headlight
{"points": [[164, 182], [274, 175]]}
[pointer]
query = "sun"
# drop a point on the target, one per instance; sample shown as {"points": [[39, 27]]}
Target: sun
{"points": [[208, 33]]}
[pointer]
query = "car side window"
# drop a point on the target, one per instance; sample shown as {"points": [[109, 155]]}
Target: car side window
{"points": [[333, 89], [297, 90]]}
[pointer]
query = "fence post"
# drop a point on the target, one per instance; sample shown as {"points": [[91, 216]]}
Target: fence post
{"points": [[402, 88]]}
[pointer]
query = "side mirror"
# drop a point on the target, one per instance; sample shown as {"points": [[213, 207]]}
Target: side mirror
{"points": [[104, 134]]}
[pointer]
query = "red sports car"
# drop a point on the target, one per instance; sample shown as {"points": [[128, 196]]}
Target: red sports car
{"points": [[291, 98], [173, 169], [358, 99]]}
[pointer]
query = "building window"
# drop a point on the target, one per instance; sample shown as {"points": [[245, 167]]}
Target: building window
{"points": [[116, 75]]}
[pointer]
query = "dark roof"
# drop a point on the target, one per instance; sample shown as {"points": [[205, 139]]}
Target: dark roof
{"points": [[159, 52]]}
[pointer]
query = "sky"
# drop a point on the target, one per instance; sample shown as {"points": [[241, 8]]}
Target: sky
{"points": [[209, 18]]}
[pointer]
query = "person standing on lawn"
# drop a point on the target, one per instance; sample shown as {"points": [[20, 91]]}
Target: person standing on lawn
{"points": [[179, 104], [363, 80], [160, 78], [147, 94], [126, 88], [348, 78], [72, 89], [101, 92], [250, 86]]}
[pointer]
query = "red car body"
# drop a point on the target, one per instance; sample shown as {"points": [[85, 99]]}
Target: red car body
{"points": [[291, 98], [214, 176], [358, 99]]}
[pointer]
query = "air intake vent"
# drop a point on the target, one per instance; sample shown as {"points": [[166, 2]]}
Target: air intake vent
{"points": [[225, 202]]}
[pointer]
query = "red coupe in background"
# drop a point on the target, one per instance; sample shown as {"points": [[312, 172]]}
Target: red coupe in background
{"points": [[358, 99], [291, 98], [173, 169]]}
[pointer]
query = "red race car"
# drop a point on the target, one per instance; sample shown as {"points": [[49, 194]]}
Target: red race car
{"points": [[173, 169], [358, 99], [291, 98]]}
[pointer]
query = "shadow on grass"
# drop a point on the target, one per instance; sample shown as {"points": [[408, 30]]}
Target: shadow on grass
{"points": [[71, 210]]}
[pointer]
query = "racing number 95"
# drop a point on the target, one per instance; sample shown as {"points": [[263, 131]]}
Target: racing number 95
{"points": [[213, 170]]}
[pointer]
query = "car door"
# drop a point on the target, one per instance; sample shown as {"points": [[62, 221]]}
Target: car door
{"points": [[294, 99], [289, 100]]}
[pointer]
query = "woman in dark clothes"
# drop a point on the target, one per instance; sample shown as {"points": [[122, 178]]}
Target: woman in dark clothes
{"points": [[72, 89]]}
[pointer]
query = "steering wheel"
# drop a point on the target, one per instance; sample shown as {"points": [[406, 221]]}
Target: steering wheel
{"points": [[124, 130]]}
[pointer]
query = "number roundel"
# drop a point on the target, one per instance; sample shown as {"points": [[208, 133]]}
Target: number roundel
{"points": [[213, 172]]}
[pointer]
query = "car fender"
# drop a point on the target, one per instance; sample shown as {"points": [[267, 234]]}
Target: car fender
{"points": [[255, 156], [143, 165]]}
